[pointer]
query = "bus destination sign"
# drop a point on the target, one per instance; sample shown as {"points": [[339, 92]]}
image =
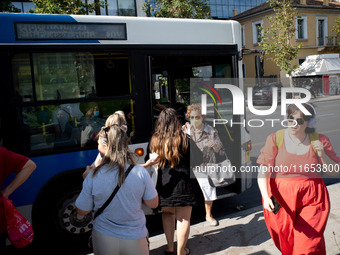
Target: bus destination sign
{"points": [[70, 31]]}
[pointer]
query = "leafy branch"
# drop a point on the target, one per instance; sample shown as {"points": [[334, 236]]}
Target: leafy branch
{"points": [[336, 27], [66, 6], [279, 39], [195, 9]]}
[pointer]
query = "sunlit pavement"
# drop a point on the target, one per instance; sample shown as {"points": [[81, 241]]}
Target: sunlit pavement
{"points": [[245, 232]]}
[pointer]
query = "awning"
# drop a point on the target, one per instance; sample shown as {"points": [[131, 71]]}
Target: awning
{"points": [[324, 64]]}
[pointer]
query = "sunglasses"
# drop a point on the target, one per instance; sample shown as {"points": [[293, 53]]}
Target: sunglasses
{"points": [[299, 121], [107, 129], [195, 117]]}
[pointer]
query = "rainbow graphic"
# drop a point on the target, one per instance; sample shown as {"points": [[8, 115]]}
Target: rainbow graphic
{"points": [[213, 90], [215, 104]]}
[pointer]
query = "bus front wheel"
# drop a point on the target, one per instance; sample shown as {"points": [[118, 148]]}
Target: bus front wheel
{"points": [[54, 216]]}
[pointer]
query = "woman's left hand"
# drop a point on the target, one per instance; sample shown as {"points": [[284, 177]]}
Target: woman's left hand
{"points": [[328, 163], [211, 144], [318, 147], [217, 147], [88, 169], [151, 162]]}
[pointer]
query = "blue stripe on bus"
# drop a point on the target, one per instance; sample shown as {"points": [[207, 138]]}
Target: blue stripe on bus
{"points": [[8, 32], [47, 167]]}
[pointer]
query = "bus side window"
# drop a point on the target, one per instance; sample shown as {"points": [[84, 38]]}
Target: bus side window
{"points": [[22, 77], [91, 124], [63, 75], [66, 131]]}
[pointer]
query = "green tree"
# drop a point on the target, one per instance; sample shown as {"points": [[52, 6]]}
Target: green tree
{"points": [[7, 6], [279, 40], [66, 6], [195, 9], [336, 27]]}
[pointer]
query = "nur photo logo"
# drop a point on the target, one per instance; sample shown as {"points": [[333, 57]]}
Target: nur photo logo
{"points": [[239, 101]]}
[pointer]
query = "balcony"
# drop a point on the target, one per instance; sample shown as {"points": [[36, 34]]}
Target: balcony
{"points": [[332, 41], [328, 43]]}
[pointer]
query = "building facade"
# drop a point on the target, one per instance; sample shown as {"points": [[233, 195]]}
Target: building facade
{"points": [[112, 7], [220, 9], [314, 25], [224, 9]]}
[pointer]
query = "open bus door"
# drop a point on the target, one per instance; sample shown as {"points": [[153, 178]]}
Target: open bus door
{"points": [[170, 77]]}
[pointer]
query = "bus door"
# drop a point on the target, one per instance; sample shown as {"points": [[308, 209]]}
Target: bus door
{"points": [[170, 76], [170, 82]]}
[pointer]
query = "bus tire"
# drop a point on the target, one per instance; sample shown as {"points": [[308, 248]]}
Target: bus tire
{"points": [[55, 221]]}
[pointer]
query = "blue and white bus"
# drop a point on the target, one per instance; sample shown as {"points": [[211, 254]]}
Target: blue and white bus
{"points": [[63, 75]]}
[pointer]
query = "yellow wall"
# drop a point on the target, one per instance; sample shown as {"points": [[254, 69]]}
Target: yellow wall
{"points": [[309, 46]]}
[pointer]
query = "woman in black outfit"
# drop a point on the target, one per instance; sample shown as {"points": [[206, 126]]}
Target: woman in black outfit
{"points": [[176, 183]]}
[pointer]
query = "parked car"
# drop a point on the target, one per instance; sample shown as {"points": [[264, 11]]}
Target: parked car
{"points": [[263, 95]]}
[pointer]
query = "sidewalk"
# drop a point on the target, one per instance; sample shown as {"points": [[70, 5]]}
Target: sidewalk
{"points": [[325, 98], [245, 232]]}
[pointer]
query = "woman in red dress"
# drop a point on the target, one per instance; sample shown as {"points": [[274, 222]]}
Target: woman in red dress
{"points": [[290, 175]]}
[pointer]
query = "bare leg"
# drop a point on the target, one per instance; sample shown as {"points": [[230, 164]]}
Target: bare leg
{"points": [[208, 215], [208, 207], [168, 219], [183, 215]]}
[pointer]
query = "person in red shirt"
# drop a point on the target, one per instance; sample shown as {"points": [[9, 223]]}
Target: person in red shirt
{"points": [[289, 175], [10, 163]]}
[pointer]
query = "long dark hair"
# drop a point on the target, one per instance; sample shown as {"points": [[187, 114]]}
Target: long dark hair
{"points": [[168, 137]]}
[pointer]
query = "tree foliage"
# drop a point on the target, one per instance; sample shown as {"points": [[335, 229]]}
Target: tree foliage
{"points": [[7, 6], [279, 39], [66, 6], [336, 27], [195, 9]]}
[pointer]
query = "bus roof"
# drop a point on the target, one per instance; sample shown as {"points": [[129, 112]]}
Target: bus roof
{"points": [[70, 29]]}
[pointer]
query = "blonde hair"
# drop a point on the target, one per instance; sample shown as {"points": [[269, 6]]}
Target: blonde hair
{"points": [[121, 114], [115, 119], [118, 152]]}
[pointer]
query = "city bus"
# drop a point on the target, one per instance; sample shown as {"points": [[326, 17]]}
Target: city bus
{"points": [[63, 75]]}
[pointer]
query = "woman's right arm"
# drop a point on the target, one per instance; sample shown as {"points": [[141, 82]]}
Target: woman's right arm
{"points": [[265, 160], [150, 162], [93, 166], [84, 202], [262, 180], [151, 203], [150, 196], [19, 179]]}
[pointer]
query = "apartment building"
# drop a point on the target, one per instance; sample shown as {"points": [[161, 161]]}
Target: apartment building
{"points": [[314, 24]]}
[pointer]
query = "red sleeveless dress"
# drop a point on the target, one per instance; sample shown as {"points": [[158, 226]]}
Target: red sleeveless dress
{"points": [[299, 225]]}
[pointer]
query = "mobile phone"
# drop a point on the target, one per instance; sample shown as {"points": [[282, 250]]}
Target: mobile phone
{"points": [[277, 206]]}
